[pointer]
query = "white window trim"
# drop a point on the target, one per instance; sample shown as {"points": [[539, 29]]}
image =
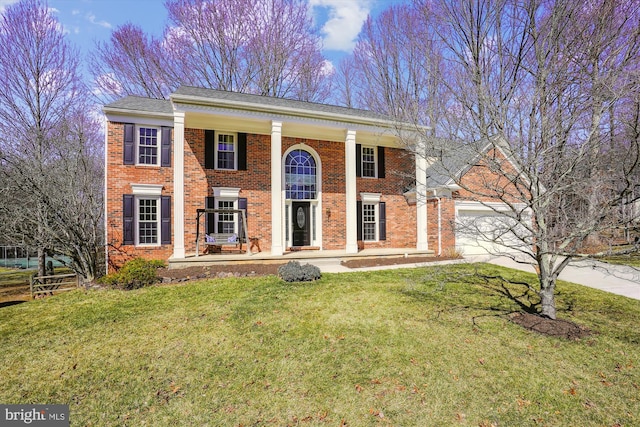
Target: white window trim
{"points": [[158, 145], [375, 161], [235, 150], [146, 189], [137, 220]]}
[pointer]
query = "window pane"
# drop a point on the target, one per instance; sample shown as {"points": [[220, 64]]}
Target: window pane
{"points": [[368, 162], [369, 225], [300, 175], [148, 221], [226, 151], [226, 221], [148, 146]]}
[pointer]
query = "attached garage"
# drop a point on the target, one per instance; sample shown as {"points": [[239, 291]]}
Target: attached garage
{"points": [[481, 229]]}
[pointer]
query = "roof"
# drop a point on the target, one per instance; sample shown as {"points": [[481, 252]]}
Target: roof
{"points": [[454, 161], [141, 104], [190, 94]]}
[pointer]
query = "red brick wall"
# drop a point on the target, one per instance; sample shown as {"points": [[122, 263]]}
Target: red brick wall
{"points": [[482, 184], [119, 180], [447, 220]]}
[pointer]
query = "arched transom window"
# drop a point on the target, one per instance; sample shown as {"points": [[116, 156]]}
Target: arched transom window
{"points": [[300, 175]]}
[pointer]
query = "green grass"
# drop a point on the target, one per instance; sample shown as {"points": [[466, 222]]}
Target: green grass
{"points": [[411, 347], [631, 259]]}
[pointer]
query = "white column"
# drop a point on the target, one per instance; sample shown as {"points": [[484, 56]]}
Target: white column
{"points": [[276, 189], [421, 203], [178, 184], [351, 232]]}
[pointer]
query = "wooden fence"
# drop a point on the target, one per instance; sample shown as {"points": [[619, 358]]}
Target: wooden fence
{"points": [[48, 284]]}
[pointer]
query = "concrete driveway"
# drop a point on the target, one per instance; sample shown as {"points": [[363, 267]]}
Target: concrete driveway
{"points": [[617, 279]]}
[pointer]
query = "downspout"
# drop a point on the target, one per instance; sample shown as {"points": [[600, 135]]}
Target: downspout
{"points": [[438, 200], [106, 198], [439, 226]]}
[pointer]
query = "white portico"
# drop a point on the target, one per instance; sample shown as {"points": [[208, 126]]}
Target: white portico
{"points": [[291, 204]]}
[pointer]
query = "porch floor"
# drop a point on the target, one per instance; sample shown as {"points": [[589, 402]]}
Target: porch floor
{"points": [[265, 257]]}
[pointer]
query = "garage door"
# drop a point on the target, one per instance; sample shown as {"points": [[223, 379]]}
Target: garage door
{"points": [[483, 231]]}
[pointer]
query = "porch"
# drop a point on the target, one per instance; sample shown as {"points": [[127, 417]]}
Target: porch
{"points": [[308, 255]]}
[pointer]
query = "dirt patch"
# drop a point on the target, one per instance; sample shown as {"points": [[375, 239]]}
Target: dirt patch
{"points": [[376, 262], [217, 271], [554, 328]]}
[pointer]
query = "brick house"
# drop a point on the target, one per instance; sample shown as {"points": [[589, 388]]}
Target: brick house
{"points": [[309, 176], [293, 175]]}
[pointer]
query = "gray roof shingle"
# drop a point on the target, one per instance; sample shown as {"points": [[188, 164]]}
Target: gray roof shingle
{"points": [[142, 104], [454, 160], [211, 95]]}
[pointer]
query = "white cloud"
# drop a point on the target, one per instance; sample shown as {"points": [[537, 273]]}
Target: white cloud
{"points": [[344, 21], [92, 18], [5, 3]]}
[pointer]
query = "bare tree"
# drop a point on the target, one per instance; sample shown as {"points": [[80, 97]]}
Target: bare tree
{"points": [[395, 68], [131, 63], [535, 102], [533, 82], [48, 143], [265, 47]]}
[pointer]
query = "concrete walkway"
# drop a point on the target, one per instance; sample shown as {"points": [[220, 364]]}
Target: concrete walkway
{"points": [[617, 279]]}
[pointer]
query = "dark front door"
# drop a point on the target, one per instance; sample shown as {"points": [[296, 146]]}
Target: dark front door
{"points": [[301, 223]]}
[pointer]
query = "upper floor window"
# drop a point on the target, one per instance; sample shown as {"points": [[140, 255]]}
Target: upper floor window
{"points": [[148, 146], [300, 175], [368, 162], [226, 151]]}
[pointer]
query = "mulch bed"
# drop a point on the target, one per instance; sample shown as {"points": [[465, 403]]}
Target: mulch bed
{"points": [[558, 328], [217, 271], [376, 262], [263, 269]]}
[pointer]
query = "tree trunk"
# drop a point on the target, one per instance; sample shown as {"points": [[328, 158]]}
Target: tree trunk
{"points": [[42, 261], [547, 297]]}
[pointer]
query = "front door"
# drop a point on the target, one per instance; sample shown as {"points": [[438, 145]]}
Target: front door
{"points": [[301, 223]]}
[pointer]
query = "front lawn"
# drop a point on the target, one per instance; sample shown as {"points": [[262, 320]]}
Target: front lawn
{"points": [[411, 347]]}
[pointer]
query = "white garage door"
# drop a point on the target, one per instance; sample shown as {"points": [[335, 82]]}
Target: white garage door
{"points": [[482, 231]]}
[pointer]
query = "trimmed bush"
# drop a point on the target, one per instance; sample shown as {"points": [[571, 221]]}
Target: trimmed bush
{"points": [[134, 274], [294, 272]]}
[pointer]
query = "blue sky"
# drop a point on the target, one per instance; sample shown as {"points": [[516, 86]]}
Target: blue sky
{"points": [[88, 21]]}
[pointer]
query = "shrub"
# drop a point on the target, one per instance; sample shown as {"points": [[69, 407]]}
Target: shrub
{"points": [[134, 274], [294, 272]]}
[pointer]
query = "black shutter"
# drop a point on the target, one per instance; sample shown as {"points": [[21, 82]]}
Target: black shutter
{"points": [[359, 216], [242, 151], [209, 150], [129, 144], [165, 220], [127, 219], [358, 160], [242, 204], [380, 162], [383, 221], [210, 218], [165, 147]]}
